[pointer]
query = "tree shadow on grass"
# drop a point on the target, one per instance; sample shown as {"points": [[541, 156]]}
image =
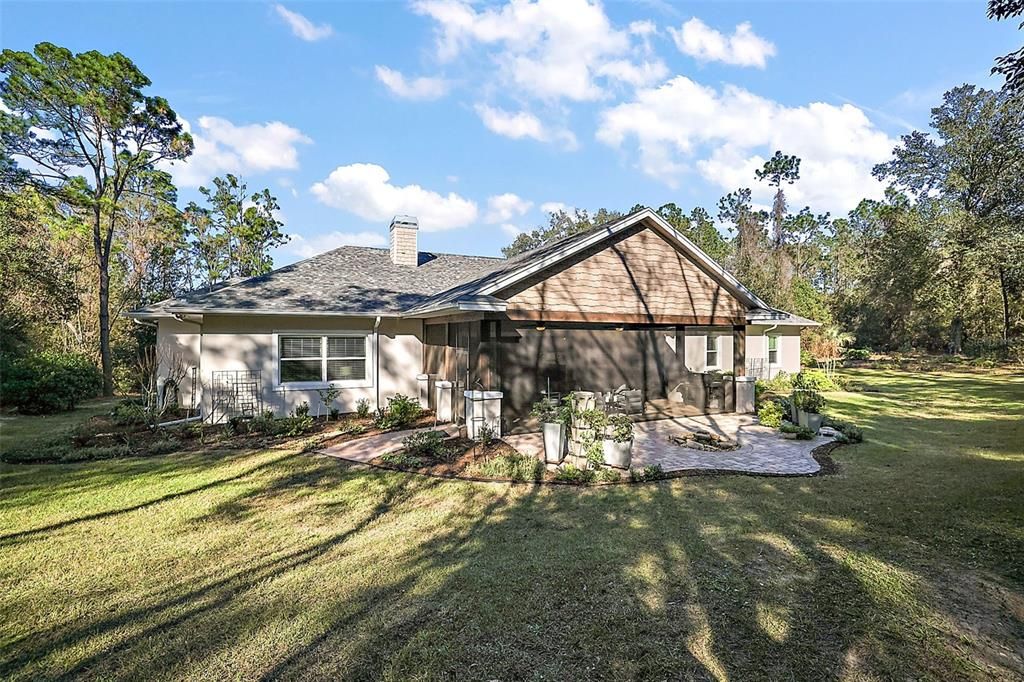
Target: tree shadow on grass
{"points": [[710, 578]]}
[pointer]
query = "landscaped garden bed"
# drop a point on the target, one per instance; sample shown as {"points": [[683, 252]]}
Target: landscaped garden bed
{"points": [[128, 431], [433, 453]]}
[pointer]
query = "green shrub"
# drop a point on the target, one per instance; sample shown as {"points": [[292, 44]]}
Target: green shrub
{"points": [[514, 466], [816, 380], [848, 433], [400, 411], [301, 410], [621, 427], [808, 401], [548, 412], [654, 472], [423, 443], [164, 446], [570, 473], [609, 475], [486, 434], [353, 427], [402, 460], [802, 432], [129, 412], [806, 359], [362, 408], [770, 414], [857, 354], [267, 425], [47, 382], [780, 383]]}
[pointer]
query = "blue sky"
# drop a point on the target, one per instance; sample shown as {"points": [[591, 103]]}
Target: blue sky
{"points": [[478, 117]]}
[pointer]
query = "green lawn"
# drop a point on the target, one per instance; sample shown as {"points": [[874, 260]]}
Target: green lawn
{"points": [[14, 429], [907, 564]]}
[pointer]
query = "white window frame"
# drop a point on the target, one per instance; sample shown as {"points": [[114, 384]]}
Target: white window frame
{"points": [[715, 340], [778, 349], [323, 383]]}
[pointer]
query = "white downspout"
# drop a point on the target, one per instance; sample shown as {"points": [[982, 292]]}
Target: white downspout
{"points": [[376, 359]]}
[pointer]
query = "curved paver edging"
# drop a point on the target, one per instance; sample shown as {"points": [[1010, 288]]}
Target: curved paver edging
{"points": [[825, 459], [767, 455]]}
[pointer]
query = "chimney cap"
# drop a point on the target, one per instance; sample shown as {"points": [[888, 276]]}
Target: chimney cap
{"points": [[405, 221]]}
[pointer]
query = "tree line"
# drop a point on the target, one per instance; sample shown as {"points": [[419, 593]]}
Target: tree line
{"points": [[90, 225], [937, 264]]}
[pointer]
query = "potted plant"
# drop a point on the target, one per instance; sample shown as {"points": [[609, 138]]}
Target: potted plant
{"points": [[809, 405], [553, 419], [583, 401], [618, 441], [586, 425]]}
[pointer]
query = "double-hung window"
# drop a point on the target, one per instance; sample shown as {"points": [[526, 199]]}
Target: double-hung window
{"points": [[711, 354], [308, 358], [773, 350]]}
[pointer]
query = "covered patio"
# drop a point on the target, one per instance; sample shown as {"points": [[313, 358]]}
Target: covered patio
{"points": [[762, 450]]}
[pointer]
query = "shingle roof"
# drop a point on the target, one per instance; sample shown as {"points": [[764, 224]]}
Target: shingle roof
{"points": [[355, 280], [502, 267], [350, 279]]}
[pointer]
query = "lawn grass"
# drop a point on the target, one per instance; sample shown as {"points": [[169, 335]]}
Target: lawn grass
{"points": [[908, 564], [19, 428]]}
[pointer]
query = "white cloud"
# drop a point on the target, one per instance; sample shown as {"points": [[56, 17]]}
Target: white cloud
{"points": [[303, 27], [637, 75], [502, 208], [553, 207], [742, 48], [523, 124], [223, 147], [365, 190], [422, 88], [511, 230], [549, 49], [725, 135], [305, 247]]}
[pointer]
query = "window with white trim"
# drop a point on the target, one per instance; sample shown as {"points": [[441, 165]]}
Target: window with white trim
{"points": [[773, 349], [321, 358], [711, 351]]}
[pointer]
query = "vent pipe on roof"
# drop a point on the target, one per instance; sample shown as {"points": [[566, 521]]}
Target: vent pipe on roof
{"points": [[404, 249]]}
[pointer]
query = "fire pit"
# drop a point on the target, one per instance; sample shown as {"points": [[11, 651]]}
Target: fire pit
{"points": [[703, 440]]}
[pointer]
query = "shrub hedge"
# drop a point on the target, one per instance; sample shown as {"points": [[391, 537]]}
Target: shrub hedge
{"points": [[47, 381]]}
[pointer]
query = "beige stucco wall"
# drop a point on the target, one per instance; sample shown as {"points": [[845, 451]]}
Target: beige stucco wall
{"points": [[248, 342], [178, 343], [696, 346], [789, 347], [757, 347]]}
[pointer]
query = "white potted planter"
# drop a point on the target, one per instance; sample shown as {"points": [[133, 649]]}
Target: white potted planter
{"points": [[553, 418], [618, 442], [554, 442], [810, 420]]}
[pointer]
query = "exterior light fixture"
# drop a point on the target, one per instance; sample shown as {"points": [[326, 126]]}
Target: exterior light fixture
{"points": [[540, 327], [619, 328]]}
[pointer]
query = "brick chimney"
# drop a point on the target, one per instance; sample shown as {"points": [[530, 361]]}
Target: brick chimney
{"points": [[404, 250]]}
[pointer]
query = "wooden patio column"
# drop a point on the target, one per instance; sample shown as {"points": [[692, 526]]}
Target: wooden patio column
{"points": [[739, 350]]}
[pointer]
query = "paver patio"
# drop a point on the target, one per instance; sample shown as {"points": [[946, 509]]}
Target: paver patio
{"points": [[365, 449], [762, 449]]}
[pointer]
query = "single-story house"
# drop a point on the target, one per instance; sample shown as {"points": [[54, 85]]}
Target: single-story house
{"points": [[629, 304]]}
